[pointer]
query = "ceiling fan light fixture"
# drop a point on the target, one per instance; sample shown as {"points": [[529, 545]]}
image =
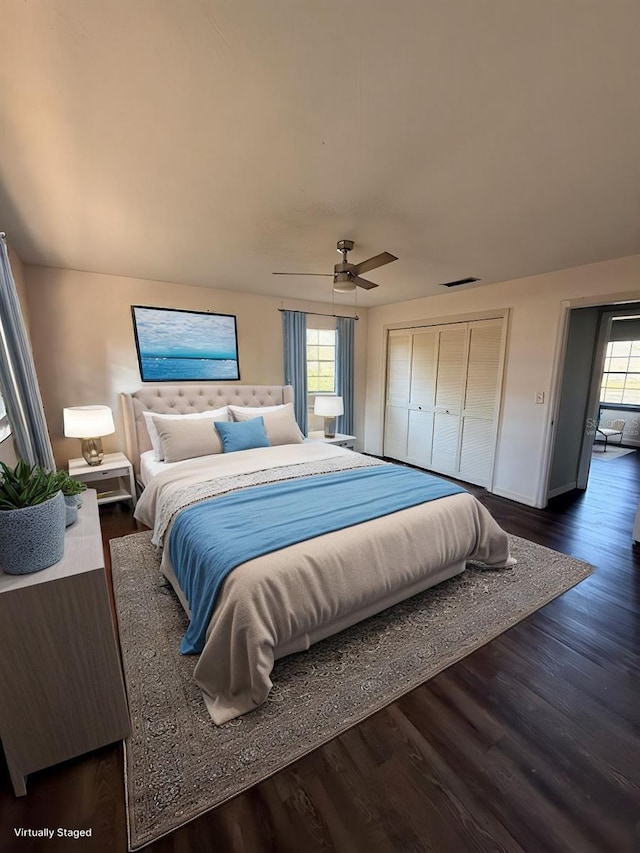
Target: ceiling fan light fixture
{"points": [[347, 276], [343, 283]]}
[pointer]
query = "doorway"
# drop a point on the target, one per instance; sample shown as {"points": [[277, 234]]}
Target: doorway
{"points": [[596, 391]]}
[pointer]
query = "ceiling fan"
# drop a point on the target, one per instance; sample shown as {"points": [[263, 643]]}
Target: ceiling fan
{"points": [[345, 275]]}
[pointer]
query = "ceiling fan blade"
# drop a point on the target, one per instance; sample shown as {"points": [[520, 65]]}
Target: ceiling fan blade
{"points": [[362, 282], [373, 263], [303, 273]]}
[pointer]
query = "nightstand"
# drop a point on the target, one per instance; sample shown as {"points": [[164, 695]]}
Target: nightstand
{"points": [[60, 678], [339, 438], [115, 466]]}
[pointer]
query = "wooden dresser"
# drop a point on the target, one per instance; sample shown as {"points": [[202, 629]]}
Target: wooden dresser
{"points": [[61, 686]]}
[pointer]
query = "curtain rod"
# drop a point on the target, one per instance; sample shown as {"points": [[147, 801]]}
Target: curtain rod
{"points": [[316, 314]]}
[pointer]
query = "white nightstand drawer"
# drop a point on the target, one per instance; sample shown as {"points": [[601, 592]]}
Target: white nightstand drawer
{"points": [[99, 473]]}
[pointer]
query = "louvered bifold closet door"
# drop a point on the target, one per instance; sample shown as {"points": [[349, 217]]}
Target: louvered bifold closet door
{"points": [[443, 391], [480, 415], [398, 390], [450, 382], [424, 356]]}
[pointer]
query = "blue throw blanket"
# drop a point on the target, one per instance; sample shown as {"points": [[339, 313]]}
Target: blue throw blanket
{"points": [[210, 539]]}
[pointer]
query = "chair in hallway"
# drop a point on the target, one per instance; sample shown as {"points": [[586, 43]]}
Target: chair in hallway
{"points": [[608, 430]]}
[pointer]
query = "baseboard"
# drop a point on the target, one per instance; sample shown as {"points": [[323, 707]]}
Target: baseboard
{"points": [[514, 496], [560, 490], [628, 444]]}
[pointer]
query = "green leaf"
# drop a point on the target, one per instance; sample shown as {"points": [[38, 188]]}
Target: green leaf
{"points": [[25, 486]]}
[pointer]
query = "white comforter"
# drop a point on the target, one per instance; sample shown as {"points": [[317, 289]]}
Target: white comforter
{"points": [[282, 602]]}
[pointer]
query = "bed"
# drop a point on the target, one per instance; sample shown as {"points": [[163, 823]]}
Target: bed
{"points": [[282, 601]]}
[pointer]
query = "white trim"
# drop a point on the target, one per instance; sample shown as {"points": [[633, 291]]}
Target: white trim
{"points": [[557, 370], [615, 299], [502, 372], [604, 301], [562, 489], [496, 314], [636, 526], [515, 496]]}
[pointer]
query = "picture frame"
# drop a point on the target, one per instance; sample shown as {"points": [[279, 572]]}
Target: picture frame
{"points": [[177, 345]]}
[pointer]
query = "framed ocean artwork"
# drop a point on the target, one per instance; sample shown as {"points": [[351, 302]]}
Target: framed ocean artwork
{"points": [[182, 346]]}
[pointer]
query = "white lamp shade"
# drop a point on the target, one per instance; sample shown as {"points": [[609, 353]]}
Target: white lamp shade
{"points": [[329, 406], [88, 421]]}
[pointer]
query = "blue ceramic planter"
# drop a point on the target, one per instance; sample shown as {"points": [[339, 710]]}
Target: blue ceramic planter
{"points": [[71, 502], [32, 538]]}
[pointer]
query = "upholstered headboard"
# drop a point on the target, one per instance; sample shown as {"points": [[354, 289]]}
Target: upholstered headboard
{"points": [[184, 399]]}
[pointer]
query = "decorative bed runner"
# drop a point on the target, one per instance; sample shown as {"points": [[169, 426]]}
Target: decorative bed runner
{"points": [[222, 485], [213, 537]]}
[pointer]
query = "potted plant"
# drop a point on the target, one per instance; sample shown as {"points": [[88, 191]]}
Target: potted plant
{"points": [[71, 490], [32, 519]]}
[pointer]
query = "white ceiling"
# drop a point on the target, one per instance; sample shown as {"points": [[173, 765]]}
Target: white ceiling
{"points": [[211, 143]]}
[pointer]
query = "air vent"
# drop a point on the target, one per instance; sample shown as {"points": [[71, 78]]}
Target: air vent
{"points": [[458, 282]]}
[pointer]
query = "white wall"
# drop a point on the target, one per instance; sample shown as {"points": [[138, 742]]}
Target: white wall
{"points": [[536, 308], [8, 453], [85, 352]]}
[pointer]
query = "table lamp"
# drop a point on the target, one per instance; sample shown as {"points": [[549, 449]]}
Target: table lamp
{"points": [[89, 423], [329, 407]]}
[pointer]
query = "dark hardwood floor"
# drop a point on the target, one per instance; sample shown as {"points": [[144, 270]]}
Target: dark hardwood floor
{"points": [[531, 744]]}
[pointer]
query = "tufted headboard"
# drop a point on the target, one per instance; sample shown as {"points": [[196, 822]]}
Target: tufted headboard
{"points": [[184, 399]]}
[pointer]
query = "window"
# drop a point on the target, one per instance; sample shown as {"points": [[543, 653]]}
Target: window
{"points": [[621, 377], [5, 428], [321, 361]]}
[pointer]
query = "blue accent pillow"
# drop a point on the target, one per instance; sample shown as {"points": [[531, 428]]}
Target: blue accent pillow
{"points": [[242, 435]]}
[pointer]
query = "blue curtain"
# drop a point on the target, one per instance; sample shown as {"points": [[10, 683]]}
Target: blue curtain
{"points": [[18, 380], [345, 327], [294, 328]]}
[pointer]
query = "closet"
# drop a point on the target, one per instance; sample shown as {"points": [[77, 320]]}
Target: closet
{"points": [[443, 394]]}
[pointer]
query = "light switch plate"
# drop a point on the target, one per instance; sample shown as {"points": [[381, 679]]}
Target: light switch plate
{"points": [[539, 396]]}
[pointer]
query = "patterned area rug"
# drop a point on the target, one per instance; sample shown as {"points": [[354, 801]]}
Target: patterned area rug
{"points": [[179, 764], [610, 453]]}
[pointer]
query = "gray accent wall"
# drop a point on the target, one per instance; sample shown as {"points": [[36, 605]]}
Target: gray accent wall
{"points": [[571, 424], [625, 330]]}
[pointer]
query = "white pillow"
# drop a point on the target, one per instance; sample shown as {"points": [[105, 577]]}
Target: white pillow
{"points": [[215, 414], [252, 411], [279, 423]]}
